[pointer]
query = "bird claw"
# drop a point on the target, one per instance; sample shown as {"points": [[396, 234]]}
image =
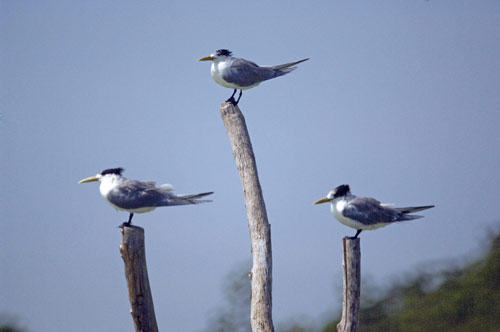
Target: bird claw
{"points": [[355, 236], [125, 224], [232, 101]]}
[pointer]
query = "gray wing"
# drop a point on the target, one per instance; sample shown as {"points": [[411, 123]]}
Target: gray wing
{"points": [[245, 73], [132, 194], [368, 211]]}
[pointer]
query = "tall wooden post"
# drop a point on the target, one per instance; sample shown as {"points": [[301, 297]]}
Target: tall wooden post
{"points": [[258, 225], [351, 264], [133, 253]]}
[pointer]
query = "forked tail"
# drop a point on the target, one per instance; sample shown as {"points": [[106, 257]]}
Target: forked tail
{"points": [[188, 199], [196, 196], [288, 65], [406, 210], [412, 209]]}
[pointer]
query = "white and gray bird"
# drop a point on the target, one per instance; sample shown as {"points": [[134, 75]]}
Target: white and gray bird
{"points": [[365, 213], [137, 196], [235, 73]]}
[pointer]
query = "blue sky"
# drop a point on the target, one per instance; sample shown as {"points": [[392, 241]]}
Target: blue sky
{"points": [[400, 100]]}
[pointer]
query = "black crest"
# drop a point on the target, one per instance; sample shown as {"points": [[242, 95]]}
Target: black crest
{"points": [[223, 52], [117, 171], [341, 190]]}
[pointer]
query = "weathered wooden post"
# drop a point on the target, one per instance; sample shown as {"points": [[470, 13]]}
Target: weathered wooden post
{"points": [[351, 264], [258, 225], [133, 253]]}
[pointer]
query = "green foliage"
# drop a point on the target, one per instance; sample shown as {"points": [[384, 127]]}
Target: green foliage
{"points": [[466, 299], [296, 328], [460, 300], [9, 323], [9, 328], [297, 323], [331, 327], [235, 316]]}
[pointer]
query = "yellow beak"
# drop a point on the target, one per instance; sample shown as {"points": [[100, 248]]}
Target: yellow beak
{"points": [[323, 200], [206, 58], [90, 179]]}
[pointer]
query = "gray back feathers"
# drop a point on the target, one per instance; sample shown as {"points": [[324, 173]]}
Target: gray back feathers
{"points": [[369, 211], [246, 73], [133, 194]]}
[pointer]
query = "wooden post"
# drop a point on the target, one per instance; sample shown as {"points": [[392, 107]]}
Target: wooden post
{"points": [[352, 279], [258, 225], [133, 253]]}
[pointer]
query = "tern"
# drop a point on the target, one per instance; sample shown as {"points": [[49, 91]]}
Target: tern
{"points": [[235, 73], [367, 213], [137, 196]]}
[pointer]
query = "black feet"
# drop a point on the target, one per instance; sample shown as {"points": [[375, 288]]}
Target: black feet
{"points": [[232, 100], [355, 236], [127, 223]]}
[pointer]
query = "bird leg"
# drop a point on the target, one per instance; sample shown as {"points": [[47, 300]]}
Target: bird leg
{"points": [[355, 236], [231, 99], [129, 219], [239, 97]]}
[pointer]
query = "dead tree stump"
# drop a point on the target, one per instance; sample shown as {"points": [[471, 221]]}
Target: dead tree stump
{"points": [[351, 264], [258, 225], [133, 253]]}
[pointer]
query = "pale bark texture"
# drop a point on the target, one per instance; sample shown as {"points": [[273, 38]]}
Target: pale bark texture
{"points": [[351, 264], [258, 225], [133, 253]]}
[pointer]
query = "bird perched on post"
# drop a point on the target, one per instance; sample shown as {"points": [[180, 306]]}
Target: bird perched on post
{"points": [[363, 213], [235, 73], [138, 196]]}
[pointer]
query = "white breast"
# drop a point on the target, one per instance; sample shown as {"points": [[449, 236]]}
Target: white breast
{"points": [[216, 72]]}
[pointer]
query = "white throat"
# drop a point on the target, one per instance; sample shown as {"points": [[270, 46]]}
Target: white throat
{"points": [[337, 206], [108, 183]]}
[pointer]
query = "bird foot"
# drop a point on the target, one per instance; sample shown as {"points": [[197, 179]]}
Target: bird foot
{"points": [[355, 236], [232, 101], [125, 224]]}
